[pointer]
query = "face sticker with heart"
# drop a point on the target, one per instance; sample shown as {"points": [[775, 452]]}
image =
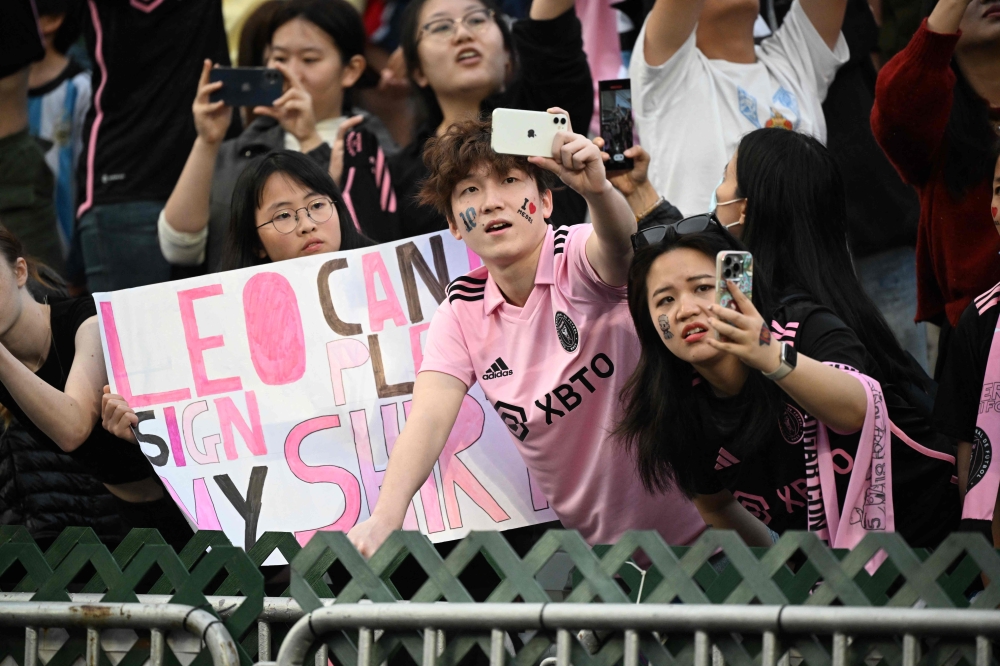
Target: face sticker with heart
{"points": [[526, 208]]}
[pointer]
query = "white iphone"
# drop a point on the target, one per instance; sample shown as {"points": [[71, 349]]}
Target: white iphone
{"points": [[530, 133]]}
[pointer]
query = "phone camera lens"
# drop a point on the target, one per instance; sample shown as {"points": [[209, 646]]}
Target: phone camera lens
{"points": [[555, 121], [562, 120], [727, 273]]}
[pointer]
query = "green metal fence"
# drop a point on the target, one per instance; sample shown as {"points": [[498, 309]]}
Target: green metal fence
{"points": [[799, 569]]}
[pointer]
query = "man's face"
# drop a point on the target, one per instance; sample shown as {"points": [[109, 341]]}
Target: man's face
{"points": [[501, 217]]}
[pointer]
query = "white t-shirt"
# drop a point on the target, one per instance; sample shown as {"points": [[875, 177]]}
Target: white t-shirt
{"points": [[691, 112]]}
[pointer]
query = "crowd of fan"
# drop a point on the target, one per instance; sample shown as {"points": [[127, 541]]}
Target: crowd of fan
{"points": [[850, 145]]}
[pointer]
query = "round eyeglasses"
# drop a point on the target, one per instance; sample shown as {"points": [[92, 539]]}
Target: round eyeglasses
{"points": [[444, 28], [287, 219]]}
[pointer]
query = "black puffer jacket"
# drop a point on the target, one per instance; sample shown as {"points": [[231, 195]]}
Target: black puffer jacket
{"points": [[46, 490]]}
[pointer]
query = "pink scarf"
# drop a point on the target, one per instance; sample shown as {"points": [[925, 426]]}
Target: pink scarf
{"points": [[984, 477]]}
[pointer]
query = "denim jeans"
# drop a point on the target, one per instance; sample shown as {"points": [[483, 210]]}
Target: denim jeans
{"points": [[890, 279], [120, 246]]}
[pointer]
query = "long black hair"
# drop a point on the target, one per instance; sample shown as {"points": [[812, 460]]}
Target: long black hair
{"points": [[338, 19], [970, 141], [796, 228], [659, 425], [243, 246], [409, 36]]}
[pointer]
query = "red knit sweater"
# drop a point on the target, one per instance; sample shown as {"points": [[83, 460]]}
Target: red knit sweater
{"points": [[957, 243]]}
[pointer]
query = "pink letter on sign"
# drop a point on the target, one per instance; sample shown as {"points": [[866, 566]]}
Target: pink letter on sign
{"points": [[252, 434], [429, 491], [121, 374], [274, 329], [371, 478], [175, 436], [325, 474], [204, 507], [415, 347], [197, 345], [344, 354], [467, 430], [380, 310]]}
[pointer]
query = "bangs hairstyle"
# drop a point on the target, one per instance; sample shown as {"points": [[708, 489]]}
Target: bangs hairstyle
{"points": [[243, 246], [660, 425], [338, 19], [464, 147], [409, 38]]}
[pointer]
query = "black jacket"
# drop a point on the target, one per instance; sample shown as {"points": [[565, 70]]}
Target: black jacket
{"points": [[46, 491]]}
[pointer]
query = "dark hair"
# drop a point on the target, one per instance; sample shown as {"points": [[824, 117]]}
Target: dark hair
{"points": [[796, 228], [660, 425], [337, 18], [409, 34], [72, 25], [255, 35], [970, 141], [42, 280], [243, 246], [464, 146]]}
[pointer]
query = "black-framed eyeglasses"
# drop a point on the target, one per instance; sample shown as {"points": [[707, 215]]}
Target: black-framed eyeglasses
{"points": [[445, 28], [287, 219], [689, 225]]}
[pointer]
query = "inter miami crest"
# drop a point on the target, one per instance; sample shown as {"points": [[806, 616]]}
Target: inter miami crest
{"points": [[982, 455], [569, 336]]}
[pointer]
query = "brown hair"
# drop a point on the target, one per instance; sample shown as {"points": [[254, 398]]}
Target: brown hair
{"points": [[465, 145]]}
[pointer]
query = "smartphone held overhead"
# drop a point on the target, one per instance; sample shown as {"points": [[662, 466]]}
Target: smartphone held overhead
{"points": [[528, 133], [247, 86], [616, 122]]}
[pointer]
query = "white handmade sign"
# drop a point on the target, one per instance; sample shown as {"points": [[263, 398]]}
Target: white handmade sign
{"points": [[269, 398]]}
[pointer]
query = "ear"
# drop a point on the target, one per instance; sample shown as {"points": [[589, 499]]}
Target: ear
{"points": [[547, 206], [353, 69], [743, 211], [453, 228], [21, 272], [419, 78]]}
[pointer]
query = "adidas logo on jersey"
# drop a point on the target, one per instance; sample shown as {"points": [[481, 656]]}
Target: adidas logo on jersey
{"points": [[497, 370]]}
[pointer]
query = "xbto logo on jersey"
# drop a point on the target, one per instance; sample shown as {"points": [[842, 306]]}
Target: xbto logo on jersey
{"points": [[569, 336], [514, 417], [982, 455], [567, 396], [498, 369]]}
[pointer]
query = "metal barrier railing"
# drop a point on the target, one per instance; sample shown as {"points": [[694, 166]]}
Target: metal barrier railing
{"points": [[770, 622], [94, 617], [277, 610]]}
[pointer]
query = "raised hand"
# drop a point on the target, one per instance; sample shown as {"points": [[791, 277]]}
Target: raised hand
{"points": [[294, 110], [368, 536], [746, 334], [337, 150], [117, 417], [628, 182], [576, 160], [211, 119]]}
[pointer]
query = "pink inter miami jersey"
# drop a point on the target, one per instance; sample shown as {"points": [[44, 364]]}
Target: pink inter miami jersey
{"points": [[553, 371]]}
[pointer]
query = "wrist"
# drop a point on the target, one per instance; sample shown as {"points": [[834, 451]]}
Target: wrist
{"points": [[603, 191], [201, 143], [384, 516], [643, 198]]}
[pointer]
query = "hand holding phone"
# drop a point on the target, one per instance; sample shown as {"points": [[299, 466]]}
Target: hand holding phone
{"points": [[736, 266], [529, 133], [247, 86]]}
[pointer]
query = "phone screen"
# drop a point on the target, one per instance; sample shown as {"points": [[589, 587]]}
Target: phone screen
{"points": [[616, 122]]}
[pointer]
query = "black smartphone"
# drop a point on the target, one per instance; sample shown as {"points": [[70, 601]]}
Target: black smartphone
{"points": [[616, 122], [247, 86]]}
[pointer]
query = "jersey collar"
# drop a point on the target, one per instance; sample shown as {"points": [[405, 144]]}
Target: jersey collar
{"points": [[544, 274]]}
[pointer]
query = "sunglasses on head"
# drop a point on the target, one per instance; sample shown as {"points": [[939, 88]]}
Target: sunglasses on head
{"points": [[689, 225]]}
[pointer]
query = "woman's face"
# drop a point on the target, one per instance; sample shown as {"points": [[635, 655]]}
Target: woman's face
{"points": [[283, 195], [309, 52], [12, 278], [730, 209], [469, 61], [980, 25], [679, 284]]}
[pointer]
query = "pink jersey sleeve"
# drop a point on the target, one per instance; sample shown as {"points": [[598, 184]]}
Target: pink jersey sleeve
{"points": [[577, 277], [446, 349]]}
